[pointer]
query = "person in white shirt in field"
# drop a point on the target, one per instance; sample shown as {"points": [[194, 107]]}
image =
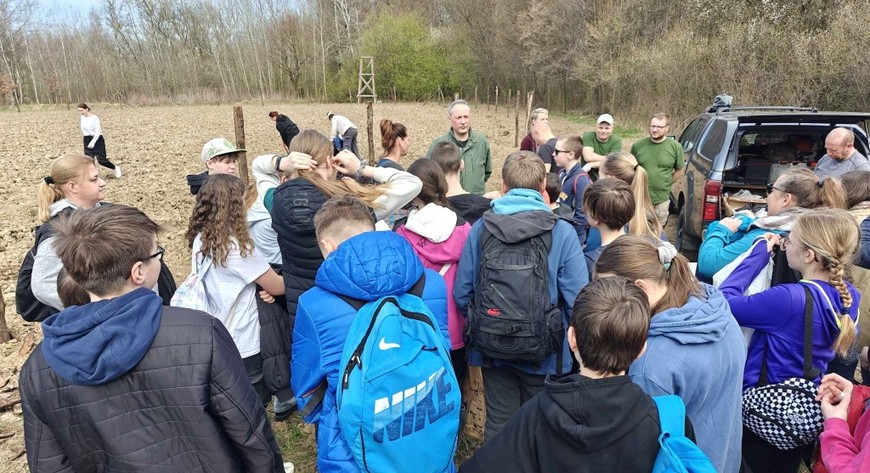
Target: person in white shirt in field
{"points": [[94, 143]]}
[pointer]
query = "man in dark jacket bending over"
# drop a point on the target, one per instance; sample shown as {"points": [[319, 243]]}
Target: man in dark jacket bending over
{"points": [[125, 384]]}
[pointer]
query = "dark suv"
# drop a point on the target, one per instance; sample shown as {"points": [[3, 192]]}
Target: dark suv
{"points": [[732, 149]]}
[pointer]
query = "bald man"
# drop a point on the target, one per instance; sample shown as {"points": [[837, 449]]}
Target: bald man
{"points": [[841, 156]]}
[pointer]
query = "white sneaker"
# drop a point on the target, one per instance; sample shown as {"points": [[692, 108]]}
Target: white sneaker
{"points": [[288, 467], [117, 172]]}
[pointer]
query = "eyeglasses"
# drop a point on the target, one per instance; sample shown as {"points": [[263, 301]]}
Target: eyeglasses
{"points": [[159, 254], [557, 151], [771, 188]]}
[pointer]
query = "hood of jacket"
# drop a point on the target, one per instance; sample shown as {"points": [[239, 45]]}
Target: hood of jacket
{"points": [[582, 422], [444, 252], [519, 215], [700, 320], [433, 222], [369, 266], [195, 181], [95, 343], [64, 205]]}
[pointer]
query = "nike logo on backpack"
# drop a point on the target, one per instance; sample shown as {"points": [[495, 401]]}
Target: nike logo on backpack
{"points": [[384, 345]]}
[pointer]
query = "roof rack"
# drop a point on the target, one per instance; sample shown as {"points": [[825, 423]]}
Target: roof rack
{"points": [[766, 107]]}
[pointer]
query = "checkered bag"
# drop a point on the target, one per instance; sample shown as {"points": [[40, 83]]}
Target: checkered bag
{"points": [[786, 414]]}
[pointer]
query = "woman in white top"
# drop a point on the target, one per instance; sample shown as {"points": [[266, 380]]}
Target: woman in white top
{"points": [[94, 144], [218, 236]]}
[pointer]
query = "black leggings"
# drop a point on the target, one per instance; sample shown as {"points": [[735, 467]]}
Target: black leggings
{"points": [[762, 457], [98, 151]]}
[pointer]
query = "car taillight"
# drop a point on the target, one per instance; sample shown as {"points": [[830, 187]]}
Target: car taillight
{"points": [[712, 193]]}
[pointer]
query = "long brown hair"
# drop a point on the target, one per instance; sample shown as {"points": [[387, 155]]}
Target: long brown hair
{"points": [[314, 144], [69, 167], [809, 192], [434, 183], [219, 216], [624, 166], [833, 235], [634, 257], [389, 132]]}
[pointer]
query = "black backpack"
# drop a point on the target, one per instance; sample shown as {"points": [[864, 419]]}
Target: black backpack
{"points": [[510, 316], [26, 303], [29, 307]]}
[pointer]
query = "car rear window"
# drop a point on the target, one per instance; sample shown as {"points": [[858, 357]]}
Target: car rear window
{"points": [[714, 140]]}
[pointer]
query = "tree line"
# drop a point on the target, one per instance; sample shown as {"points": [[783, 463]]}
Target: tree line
{"points": [[626, 57]]}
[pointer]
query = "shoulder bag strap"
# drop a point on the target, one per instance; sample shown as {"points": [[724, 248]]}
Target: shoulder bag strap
{"points": [[444, 269], [809, 371]]}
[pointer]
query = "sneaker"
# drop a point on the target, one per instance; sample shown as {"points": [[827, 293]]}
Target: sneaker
{"points": [[117, 172], [288, 467]]}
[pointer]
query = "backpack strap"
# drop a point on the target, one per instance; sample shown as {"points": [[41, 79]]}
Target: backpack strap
{"points": [[809, 371], [672, 414], [445, 268], [314, 400]]}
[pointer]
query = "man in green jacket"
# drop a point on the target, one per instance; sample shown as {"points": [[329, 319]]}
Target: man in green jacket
{"points": [[474, 147]]}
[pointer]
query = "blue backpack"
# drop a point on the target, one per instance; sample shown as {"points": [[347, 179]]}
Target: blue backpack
{"points": [[398, 398], [677, 453]]}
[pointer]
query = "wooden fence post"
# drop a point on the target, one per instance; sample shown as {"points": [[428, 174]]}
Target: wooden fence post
{"points": [[517, 122], [5, 334], [476, 102], [370, 117], [529, 100], [239, 121], [509, 102], [496, 99]]}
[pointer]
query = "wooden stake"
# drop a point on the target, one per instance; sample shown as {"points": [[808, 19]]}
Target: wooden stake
{"points": [[496, 99], [239, 121], [370, 118], [517, 122], [530, 97], [455, 95], [5, 334], [476, 102], [509, 102]]}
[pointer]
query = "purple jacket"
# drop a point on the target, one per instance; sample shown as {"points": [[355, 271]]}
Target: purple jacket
{"points": [[777, 317]]}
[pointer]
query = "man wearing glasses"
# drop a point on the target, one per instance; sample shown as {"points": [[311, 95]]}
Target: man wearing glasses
{"points": [[841, 156], [662, 158]]}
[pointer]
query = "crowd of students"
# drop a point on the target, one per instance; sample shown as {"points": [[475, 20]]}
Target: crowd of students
{"points": [[561, 289]]}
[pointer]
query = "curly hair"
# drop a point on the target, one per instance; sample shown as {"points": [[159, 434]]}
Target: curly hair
{"points": [[219, 216]]}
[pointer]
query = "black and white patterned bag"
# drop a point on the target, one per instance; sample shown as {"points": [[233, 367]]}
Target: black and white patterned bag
{"points": [[786, 414]]}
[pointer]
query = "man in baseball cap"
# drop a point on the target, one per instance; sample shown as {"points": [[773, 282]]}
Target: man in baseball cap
{"points": [[599, 143], [219, 156]]}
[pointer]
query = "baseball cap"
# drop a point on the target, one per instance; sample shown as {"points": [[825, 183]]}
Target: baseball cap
{"points": [[605, 118], [218, 147]]}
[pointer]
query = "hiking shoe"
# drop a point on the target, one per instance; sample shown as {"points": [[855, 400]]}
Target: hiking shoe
{"points": [[284, 415], [288, 467], [117, 172]]}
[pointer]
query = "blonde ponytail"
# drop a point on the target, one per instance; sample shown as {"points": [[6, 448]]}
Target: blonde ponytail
{"points": [[69, 167]]}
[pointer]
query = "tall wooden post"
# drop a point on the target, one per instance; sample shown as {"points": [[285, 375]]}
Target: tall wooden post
{"points": [[239, 121], [370, 118], [517, 122], [529, 100], [5, 334], [476, 102], [509, 101], [496, 99], [455, 95]]}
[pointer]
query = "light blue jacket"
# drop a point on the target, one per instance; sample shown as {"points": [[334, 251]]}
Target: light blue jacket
{"points": [[697, 352], [722, 246]]}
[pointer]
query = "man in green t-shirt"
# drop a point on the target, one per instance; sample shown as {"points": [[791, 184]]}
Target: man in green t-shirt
{"points": [[598, 144], [474, 147], [662, 158]]}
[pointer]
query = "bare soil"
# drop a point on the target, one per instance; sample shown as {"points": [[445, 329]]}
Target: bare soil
{"points": [[156, 147]]}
